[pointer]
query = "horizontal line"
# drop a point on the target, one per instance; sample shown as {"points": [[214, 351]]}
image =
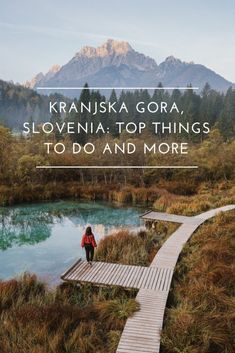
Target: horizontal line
{"points": [[117, 88], [116, 167]]}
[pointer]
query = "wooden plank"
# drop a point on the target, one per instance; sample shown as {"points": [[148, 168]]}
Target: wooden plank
{"points": [[92, 271], [152, 275], [128, 277], [110, 274], [142, 331], [106, 273], [147, 279], [79, 269], [166, 217], [125, 276], [137, 274], [132, 277], [155, 281], [143, 277], [131, 337], [102, 273], [108, 279], [138, 341], [147, 334], [129, 350], [135, 277], [80, 272], [122, 276], [145, 213], [73, 270], [163, 278], [168, 280], [98, 273], [137, 280], [136, 348], [118, 275], [160, 279], [142, 343], [64, 274]]}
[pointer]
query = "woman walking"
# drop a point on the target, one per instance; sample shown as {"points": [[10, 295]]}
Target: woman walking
{"points": [[88, 241]]}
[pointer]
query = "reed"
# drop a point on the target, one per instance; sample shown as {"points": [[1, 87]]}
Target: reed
{"points": [[207, 197], [65, 319], [133, 248], [200, 315]]}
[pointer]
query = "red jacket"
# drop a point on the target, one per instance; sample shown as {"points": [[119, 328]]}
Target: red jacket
{"points": [[88, 240]]}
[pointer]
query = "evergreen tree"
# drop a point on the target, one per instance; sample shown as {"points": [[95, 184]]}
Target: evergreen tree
{"points": [[56, 120], [226, 121]]}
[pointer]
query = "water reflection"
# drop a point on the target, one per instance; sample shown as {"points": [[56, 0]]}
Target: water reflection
{"points": [[19, 227], [44, 238], [33, 224]]}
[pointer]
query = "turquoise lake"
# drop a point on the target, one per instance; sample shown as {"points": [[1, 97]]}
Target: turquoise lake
{"points": [[45, 238]]}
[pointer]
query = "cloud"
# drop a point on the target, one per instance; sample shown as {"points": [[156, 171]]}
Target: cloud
{"points": [[50, 31], [69, 33]]}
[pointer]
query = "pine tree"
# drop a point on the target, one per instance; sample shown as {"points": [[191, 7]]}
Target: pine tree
{"points": [[226, 122], [56, 120]]}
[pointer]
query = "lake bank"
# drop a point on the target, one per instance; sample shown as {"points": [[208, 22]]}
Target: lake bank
{"points": [[10, 195], [91, 319], [44, 238]]}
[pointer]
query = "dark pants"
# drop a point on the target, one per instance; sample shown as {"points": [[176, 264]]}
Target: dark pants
{"points": [[89, 252]]}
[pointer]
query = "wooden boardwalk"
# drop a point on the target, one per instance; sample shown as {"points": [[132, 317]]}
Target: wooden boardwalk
{"points": [[103, 273], [142, 331], [166, 217]]}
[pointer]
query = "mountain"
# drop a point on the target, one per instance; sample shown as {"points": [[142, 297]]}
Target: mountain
{"points": [[116, 63], [174, 72], [41, 78]]}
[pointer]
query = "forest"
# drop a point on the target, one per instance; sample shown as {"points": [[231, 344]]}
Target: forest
{"points": [[20, 105], [212, 152], [199, 312]]}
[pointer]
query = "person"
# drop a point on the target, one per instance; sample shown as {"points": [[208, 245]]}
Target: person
{"points": [[88, 241]]}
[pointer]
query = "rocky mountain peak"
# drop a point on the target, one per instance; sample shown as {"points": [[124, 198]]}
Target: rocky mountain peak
{"points": [[54, 69], [172, 60], [115, 47], [40, 78], [116, 63], [33, 82], [110, 47]]}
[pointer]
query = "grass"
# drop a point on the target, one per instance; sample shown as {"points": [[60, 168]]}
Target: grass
{"points": [[207, 197], [72, 319], [32, 192], [170, 196], [201, 309], [67, 319], [131, 248]]}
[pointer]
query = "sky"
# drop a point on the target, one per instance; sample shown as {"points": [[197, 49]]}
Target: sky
{"points": [[36, 34]]}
